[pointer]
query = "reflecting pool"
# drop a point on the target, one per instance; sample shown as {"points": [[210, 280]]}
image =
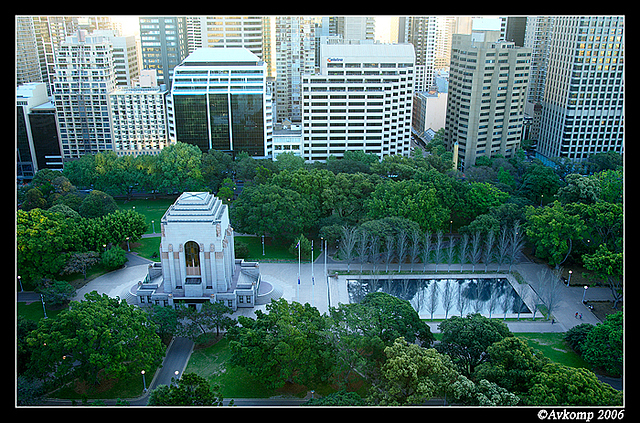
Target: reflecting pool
{"points": [[444, 297]]}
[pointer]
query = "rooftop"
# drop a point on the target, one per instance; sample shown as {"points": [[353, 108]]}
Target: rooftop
{"points": [[195, 207], [221, 55]]}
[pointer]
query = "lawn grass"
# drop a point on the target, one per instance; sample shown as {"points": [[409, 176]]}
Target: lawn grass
{"points": [[555, 348], [272, 251], [34, 311], [212, 363], [146, 247], [153, 210]]}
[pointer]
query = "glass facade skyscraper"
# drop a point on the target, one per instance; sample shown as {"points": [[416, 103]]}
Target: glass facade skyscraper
{"points": [[219, 100]]}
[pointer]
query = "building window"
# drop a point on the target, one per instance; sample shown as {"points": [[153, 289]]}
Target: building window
{"points": [[192, 258]]}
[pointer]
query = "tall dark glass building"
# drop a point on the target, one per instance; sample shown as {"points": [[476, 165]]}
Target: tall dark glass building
{"points": [[164, 44], [219, 100]]}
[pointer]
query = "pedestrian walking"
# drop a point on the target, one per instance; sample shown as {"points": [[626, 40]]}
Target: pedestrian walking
{"points": [[553, 321], [580, 316], [576, 314]]}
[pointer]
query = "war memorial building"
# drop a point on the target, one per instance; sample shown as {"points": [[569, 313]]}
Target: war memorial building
{"points": [[198, 262]]}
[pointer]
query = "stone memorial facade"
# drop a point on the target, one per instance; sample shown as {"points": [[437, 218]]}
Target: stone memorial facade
{"points": [[198, 262]]}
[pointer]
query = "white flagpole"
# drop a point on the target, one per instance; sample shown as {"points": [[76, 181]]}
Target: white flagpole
{"points": [[313, 282], [298, 286]]}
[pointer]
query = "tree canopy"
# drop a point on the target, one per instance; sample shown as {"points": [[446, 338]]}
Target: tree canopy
{"points": [[97, 338]]}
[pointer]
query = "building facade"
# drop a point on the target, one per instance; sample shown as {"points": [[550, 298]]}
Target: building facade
{"points": [[37, 142], [583, 100], [295, 56], [85, 75], [360, 100], [164, 44], [198, 262], [139, 119], [487, 92], [219, 100]]}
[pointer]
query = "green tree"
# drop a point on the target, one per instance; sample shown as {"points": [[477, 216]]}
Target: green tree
{"points": [[97, 204], [189, 390], [609, 265], [166, 320], [177, 169], [56, 293], [611, 184], [538, 181], [480, 197], [412, 375], [34, 200], [211, 315], [215, 166], [340, 398], [114, 258], [512, 364], [227, 190], [347, 194], [409, 199], [394, 318], [579, 189], [567, 386], [483, 393], [271, 210], [553, 230], [122, 224], [97, 337], [42, 239], [603, 345], [287, 344], [466, 339], [80, 263], [359, 332]]}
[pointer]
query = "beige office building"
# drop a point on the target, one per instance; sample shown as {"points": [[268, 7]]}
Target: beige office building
{"points": [[487, 93]]}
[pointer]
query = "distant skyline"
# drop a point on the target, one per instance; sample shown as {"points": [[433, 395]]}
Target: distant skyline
{"points": [[130, 26]]}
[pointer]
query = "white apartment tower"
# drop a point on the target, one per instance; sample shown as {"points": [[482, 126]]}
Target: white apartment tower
{"points": [[360, 100], [583, 100], [139, 117], [85, 75], [487, 92], [295, 56]]}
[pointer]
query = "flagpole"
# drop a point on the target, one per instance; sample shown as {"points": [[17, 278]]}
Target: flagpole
{"points": [[298, 286], [313, 282]]}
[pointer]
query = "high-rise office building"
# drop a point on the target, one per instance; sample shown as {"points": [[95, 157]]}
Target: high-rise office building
{"points": [[37, 142], [164, 44], [85, 75], [487, 91], [360, 100], [26, 51], [583, 101], [251, 32], [220, 100], [355, 27], [295, 56], [421, 31]]}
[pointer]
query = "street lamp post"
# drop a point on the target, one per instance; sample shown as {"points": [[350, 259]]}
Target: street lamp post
{"points": [[584, 293], [144, 382], [569, 280], [128, 249], [20, 282], [43, 308], [263, 245], [153, 226]]}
